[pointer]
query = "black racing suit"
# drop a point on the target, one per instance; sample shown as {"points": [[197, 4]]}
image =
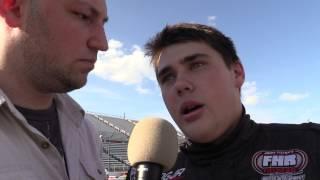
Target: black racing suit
{"points": [[253, 152]]}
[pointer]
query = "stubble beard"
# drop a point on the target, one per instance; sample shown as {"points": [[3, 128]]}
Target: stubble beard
{"points": [[42, 66]]}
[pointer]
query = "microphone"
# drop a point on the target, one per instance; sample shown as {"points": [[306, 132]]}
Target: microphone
{"points": [[152, 148]]}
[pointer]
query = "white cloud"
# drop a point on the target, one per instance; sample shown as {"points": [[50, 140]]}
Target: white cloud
{"points": [[249, 93], [142, 90], [102, 91], [126, 67], [293, 96], [212, 20]]}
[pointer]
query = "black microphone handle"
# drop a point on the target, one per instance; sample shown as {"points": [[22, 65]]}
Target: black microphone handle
{"points": [[148, 171]]}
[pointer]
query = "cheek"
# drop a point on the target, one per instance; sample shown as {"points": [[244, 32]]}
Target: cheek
{"points": [[69, 46], [72, 40], [69, 33]]}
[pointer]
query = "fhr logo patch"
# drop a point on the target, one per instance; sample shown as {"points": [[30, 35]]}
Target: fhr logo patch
{"points": [[280, 162]]}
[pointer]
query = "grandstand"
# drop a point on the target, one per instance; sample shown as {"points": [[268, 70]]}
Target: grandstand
{"points": [[114, 134]]}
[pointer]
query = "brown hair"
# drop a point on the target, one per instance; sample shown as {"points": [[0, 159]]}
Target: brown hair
{"points": [[187, 32]]}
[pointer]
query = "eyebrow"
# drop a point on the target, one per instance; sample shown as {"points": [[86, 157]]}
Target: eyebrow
{"points": [[163, 71], [192, 58], [186, 60], [96, 12]]}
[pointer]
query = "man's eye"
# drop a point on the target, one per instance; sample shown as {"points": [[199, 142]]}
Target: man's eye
{"points": [[196, 65], [166, 78], [82, 16]]}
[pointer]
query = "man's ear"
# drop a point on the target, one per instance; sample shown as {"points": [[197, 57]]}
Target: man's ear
{"points": [[10, 10], [239, 74]]}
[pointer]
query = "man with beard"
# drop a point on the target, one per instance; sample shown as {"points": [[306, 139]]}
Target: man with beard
{"points": [[47, 49]]}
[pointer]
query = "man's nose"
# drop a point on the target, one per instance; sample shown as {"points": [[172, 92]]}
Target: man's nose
{"points": [[183, 85], [98, 41]]}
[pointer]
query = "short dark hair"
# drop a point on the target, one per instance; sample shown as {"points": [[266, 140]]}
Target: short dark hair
{"points": [[188, 32]]}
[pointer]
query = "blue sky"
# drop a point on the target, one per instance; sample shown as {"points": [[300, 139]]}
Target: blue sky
{"points": [[278, 42]]}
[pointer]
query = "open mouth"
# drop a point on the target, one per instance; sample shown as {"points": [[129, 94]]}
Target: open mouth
{"points": [[190, 108]]}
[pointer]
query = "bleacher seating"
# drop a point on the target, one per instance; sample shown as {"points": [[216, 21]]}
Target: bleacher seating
{"points": [[114, 156]]}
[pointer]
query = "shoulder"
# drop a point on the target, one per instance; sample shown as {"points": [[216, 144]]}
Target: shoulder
{"points": [[88, 128], [291, 127], [67, 101], [290, 132]]}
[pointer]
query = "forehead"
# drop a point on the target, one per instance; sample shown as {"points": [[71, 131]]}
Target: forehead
{"points": [[174, 54], [99, 5]]}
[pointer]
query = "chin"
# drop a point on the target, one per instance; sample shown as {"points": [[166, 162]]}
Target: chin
{"points": [[79, 83], [71, 85], [200, 138], [77, 86]]}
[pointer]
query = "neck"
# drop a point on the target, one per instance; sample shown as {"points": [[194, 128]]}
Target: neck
{"points": [[22, 93]]}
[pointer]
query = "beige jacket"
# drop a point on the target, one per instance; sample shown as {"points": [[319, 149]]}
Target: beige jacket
{"points": [[27, 155]]}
